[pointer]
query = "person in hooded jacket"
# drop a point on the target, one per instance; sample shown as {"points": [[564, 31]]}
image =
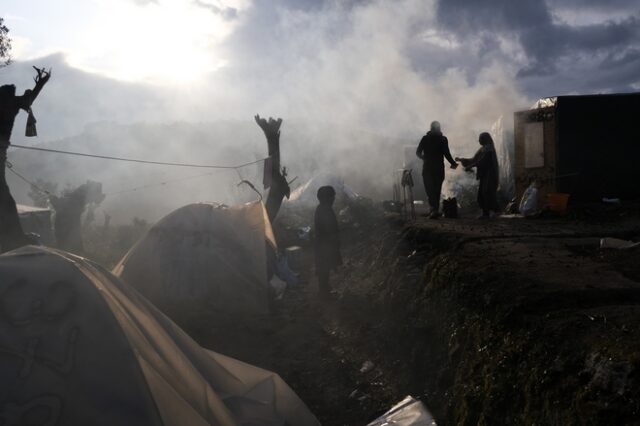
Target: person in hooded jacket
{"points": [[486, 163], [327, 239], [432, 150]]}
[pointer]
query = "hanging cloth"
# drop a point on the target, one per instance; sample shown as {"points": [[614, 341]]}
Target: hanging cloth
{"points": [[31, 131]]}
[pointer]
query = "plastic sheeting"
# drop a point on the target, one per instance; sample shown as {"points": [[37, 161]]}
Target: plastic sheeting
{"points": [[545, 103], [36, 220], [505, 149], [408, 412], [307, 193], [204, 251], [79, 347]]}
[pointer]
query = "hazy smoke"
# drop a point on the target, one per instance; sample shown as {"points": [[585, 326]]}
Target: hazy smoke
{"points": [[354, 82]]}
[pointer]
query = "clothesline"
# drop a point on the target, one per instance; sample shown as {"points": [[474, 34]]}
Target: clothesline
{"points": [[135, 160]]}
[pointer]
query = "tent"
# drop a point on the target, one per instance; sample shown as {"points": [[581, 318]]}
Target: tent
{"points": [[36, 220], [306, 194], [80, 347], [204, 252]]}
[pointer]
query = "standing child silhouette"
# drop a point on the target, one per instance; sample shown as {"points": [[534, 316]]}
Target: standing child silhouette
{"points": [[327, 239]]}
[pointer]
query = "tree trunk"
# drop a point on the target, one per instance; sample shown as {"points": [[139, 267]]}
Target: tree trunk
{"points": [[11, 234], [279, 187]]}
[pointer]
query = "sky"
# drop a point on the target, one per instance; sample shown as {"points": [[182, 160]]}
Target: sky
{"points": [[342, 73], [553, 46]]}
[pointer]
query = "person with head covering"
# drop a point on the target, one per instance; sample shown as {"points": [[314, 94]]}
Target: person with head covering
{"points": [[433, 149], [486, 163], [327, 239]]}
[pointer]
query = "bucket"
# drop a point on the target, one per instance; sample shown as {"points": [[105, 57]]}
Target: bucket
{"points": [[558, 202]]}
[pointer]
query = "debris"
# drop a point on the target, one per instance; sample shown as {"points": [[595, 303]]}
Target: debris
{"points": [[408, 412], [346, 216], [284, 272], [616, 243], [607, 373], [279, 286], [611, 200], [557, 202], [293, 256], [529, 202], [304, 233], [366, 367], [450, 208], [391, 206]]}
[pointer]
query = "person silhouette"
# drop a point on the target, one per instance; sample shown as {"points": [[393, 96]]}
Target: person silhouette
{"points": [[327, 239], [432, 150]]}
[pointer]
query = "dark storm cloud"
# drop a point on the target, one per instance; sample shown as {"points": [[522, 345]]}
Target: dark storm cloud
{"points": [[555, 52], [608, 5]]}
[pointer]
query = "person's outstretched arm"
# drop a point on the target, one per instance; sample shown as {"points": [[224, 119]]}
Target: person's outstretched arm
{"points": [[473, 162], [420, 150], [447, 153]]}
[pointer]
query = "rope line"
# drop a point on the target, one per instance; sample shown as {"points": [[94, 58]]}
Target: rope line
{"points": [[135, 160], [33, 185], [151, 185], [11, 168]]}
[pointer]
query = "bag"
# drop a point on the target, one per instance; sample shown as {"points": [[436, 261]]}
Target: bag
{"points": [[450, 208], [31, 131], [529, 202]]}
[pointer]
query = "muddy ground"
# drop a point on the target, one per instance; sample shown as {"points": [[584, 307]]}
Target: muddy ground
{"points": [[511, 321]]}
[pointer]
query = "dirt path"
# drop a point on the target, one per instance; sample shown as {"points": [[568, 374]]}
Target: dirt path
{"points": [[516, 330], [304, 342]]}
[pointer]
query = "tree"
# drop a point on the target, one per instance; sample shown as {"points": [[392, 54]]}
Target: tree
{"points": [[40, 192], [279, 187], [5, 45], [11, 234], [69, 207]]}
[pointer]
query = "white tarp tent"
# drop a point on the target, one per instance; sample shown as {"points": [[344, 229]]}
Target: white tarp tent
{"points": [[306, 194], [204, 252], [80, 347], [505, 149], [408, 412], [37, 220]]}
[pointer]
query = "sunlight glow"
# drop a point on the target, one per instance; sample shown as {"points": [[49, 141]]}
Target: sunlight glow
{"points": [[167, 42]]}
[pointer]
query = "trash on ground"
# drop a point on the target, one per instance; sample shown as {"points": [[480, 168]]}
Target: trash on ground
{"points": [[367, 366], [293, 255], [450, 208], [391, 206], [408, 412], [529, 202], [279, 287], [616, 243], [284, 272], [304, 233], [611, 200]]}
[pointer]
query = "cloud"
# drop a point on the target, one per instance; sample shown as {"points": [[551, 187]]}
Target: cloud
{"points": [[355, 81], [554, 52], [225, 12]]}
